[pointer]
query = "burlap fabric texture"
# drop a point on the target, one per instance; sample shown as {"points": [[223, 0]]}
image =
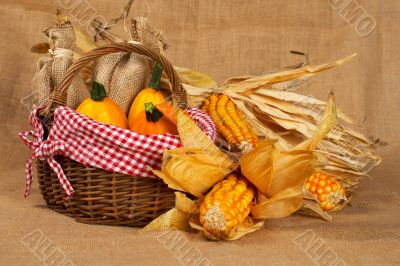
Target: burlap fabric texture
{"points": [[51, 68], [124, 75]]}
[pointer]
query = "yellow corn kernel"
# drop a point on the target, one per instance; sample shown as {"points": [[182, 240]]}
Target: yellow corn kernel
{"points": [[326, 189], [230, 122], [212, 110], [226, 205], [205, 106]]}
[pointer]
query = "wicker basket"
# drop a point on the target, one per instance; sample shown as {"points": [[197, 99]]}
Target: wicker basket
{"points": [[102, 197]]}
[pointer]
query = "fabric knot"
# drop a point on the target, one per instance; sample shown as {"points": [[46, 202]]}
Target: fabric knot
{"points": [[44, 150]]}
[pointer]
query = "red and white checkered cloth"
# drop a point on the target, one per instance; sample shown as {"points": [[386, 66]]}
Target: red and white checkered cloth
{"points": [[91, 143]]}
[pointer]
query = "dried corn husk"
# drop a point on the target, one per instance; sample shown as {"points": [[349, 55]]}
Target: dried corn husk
{"points": [[281, 205], [279, 176], [195, 78], [197, 166], [268, 79], [288, 118], [246, 227], [84, 43], [178, 217]]}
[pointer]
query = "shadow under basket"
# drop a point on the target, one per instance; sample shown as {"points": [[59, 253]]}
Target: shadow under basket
{"points": [[102, 197]]}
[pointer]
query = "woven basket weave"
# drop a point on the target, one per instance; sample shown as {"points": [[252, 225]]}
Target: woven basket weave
{"points": [[102, 197]]}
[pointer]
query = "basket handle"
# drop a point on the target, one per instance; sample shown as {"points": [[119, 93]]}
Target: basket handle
{"points": [[59, 95]]}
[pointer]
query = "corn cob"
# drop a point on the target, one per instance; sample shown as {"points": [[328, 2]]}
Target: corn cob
{"points": [[212, 110], [226, 205], [326, 189], [205, 106], [230, 122], [239, 119]]}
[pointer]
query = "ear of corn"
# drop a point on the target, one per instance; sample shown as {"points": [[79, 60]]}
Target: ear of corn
{"points": [[231, 123], [226, 206], [326, 189], [205, 106]]}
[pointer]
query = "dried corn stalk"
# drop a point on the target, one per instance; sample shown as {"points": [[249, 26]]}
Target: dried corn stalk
{"points": [[288, 118]]}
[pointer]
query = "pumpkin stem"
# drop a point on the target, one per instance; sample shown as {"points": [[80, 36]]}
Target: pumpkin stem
{"points": [[152, 113], [156, 77], [98, 91]]}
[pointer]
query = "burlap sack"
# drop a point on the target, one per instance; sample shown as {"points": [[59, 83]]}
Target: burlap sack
{"points": [[52, 68], [124, 74], [104, 69], [77, 92]]}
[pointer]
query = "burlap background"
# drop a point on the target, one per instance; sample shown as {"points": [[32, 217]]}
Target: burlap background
{"points": [[223, 38]]}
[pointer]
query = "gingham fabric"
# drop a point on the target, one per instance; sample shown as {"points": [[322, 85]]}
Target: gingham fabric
{"points": [[84, 140]]}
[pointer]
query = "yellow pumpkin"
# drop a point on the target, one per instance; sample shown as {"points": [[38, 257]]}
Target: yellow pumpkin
{"points": [[150, 94], [153, 120], [102, 108]]}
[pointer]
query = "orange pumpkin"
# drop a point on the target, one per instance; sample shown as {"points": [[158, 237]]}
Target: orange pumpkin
{"points": [[153, 120], [102, 108], [150, 94]]}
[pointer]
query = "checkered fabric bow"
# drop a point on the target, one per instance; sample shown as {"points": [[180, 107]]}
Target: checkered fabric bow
{"points": [[43, 150], [86, 141]]}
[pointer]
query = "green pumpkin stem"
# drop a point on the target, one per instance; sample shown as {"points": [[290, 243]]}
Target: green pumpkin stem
{"points": [[152, 113], [98, 91], [156, 77]]}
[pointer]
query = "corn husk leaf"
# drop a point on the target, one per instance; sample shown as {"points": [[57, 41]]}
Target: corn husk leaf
{"points": [[313, 208], [284, 101], [246, 227], [291, 170], [186, 205], [197, 166], [280, 175], [196, 95], [191, 170], [84, 43], [281, 205], [263, 80], [258, 165], [193, 137], [195, 78], [272, 170], [171, 219], [258, 127], [238, 79], [177, 217], [326, 124]]}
